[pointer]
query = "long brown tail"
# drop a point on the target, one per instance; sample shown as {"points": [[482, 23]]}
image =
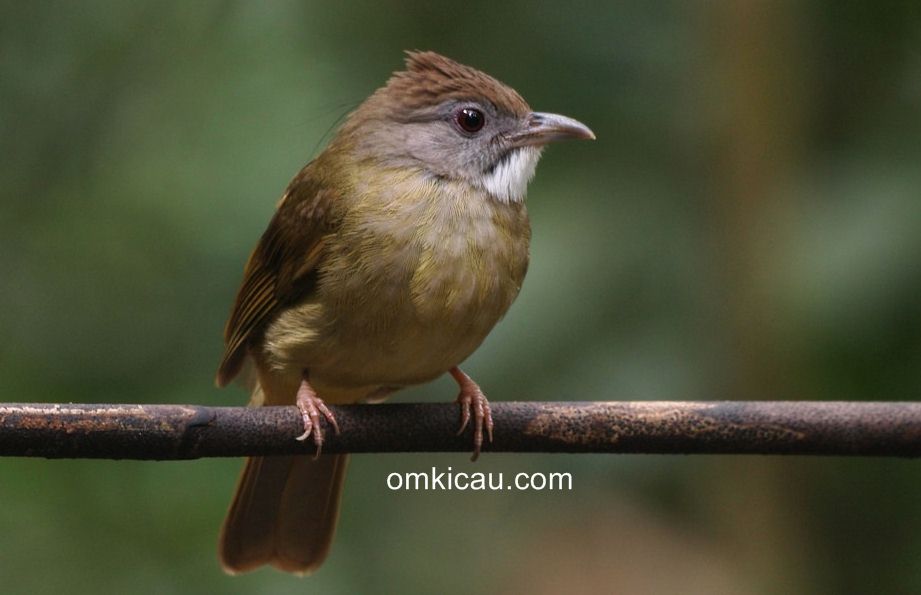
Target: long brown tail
{"points": [[284, 513]]}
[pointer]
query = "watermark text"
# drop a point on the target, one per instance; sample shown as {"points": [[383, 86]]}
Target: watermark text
{"points": [[461, 481]]}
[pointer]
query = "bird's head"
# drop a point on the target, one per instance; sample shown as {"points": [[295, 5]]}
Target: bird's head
{"points": [[447, 120]]}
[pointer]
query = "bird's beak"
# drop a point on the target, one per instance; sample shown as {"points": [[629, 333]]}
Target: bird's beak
{"points": [[542, 128]]}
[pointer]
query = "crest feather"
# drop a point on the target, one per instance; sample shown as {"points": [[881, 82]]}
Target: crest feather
{"points": [[431, 79]]}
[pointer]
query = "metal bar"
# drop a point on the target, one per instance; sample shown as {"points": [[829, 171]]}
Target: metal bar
{"points": [[164, 432]]}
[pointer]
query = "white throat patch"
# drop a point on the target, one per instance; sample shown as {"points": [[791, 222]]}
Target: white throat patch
{"points": [[508, 181]]}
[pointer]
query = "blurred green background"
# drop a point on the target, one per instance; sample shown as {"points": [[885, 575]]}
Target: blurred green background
{"points": [[747, 226]]}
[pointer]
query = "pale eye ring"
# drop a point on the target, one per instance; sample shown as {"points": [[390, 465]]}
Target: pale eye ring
{"points": [[470, 119]]}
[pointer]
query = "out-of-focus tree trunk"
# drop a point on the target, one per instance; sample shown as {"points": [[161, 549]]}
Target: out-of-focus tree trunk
{"points": [[756, 94]]}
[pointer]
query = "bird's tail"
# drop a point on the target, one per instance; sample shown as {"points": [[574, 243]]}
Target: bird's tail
{"points": [[284, 513]]}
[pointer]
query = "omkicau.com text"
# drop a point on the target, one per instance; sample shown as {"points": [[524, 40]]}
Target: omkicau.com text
{"points": [[461, 481]]}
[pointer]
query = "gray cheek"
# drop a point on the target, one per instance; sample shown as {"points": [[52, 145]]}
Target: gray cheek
{"points": [[434, 146], [439, 148]]}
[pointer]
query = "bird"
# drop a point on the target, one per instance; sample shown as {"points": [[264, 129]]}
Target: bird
{"points": [[388, 260]]}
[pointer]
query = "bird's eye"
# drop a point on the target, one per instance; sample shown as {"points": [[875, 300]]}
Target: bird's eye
{"points": [[470, 119]]}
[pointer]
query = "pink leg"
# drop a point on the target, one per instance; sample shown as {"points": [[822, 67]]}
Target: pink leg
{"points": [[472, 398], [311, 406]]}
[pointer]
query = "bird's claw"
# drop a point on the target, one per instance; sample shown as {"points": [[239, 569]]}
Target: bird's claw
{"points": [[473, 403], [312, 407]]}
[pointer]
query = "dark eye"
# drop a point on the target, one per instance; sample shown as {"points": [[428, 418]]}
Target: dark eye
{"points": [[470, 119]]}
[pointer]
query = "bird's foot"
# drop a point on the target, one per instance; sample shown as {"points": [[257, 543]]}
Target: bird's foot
{"points": [[311, 407], [472, 401]]}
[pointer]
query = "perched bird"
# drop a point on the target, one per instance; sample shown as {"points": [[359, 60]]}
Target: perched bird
{"points": [[389, 259]]}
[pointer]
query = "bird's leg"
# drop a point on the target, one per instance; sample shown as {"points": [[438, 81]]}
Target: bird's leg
{"points": [[471, 398], [311, 406]]}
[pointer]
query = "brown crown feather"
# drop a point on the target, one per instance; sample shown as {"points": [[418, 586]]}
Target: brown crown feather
{"points": [[431, 79]]}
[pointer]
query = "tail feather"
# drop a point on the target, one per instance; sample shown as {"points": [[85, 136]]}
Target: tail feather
{"points": [[284, 513]]}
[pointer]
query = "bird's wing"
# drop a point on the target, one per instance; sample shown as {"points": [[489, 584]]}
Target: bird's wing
{"points": [[280, 270]]}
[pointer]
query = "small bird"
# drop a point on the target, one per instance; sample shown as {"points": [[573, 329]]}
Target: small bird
{"points": [[389, 259]]}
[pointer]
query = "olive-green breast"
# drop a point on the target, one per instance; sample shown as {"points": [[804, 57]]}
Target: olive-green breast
{"points": [[414, 279]]}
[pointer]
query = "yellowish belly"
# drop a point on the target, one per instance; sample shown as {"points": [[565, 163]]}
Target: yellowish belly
{"points": [[400, 303]]}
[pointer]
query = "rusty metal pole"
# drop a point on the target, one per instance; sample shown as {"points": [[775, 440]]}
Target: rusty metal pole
{"points": [[722, 427]]}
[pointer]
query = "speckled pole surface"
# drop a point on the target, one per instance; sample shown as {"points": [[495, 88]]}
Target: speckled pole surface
{"points": [[716, 427]]}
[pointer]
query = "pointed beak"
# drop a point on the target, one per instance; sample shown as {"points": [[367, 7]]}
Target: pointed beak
{"points": [[542, 128]]}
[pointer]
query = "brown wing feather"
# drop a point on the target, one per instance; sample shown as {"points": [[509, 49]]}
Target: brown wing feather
{"points": [[281, 269]]}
